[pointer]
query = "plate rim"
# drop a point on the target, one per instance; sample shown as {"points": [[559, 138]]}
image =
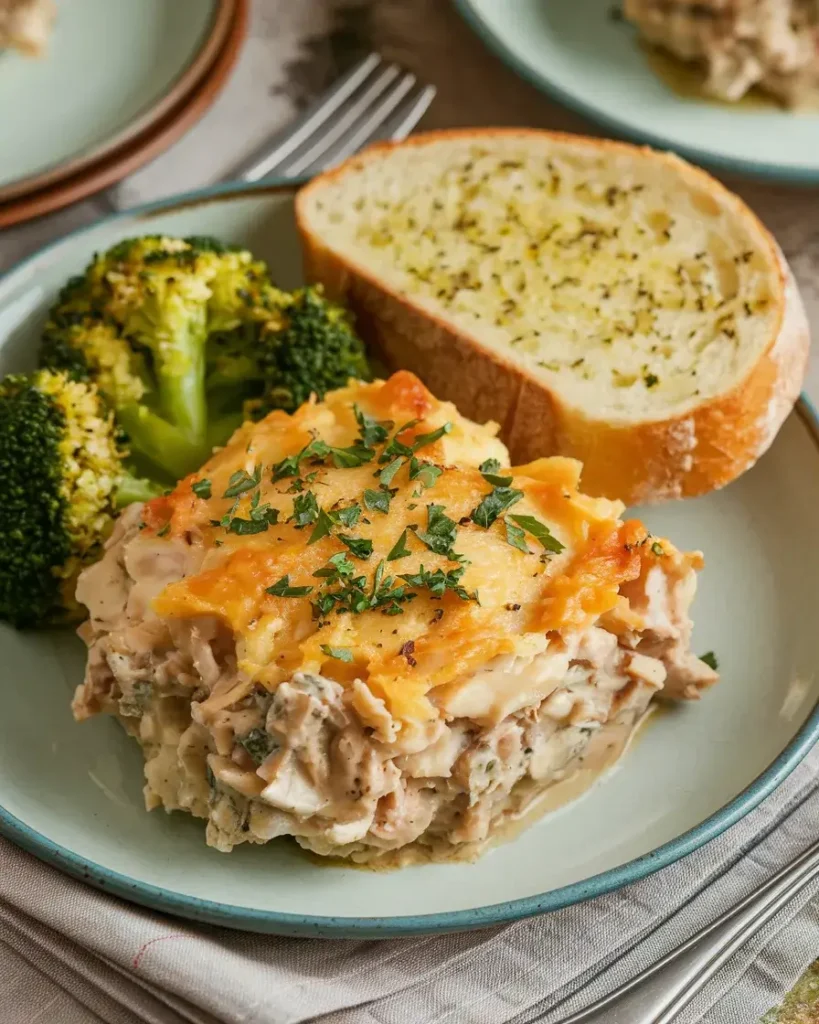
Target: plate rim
{"points": [[761, 170], [184, 82], [308, 925], [145, 147]]}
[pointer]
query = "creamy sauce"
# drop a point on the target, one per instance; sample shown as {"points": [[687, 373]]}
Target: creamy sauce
{"points": [[685, 78], [530, 802]]}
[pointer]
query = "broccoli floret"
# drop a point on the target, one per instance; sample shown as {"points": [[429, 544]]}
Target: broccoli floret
{"points": [[186, 337], [137, 325], [310, 349], [63, 473]]}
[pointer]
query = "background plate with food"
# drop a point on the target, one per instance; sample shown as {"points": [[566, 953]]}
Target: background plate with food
{"points": [[587, 56], [67, 128]]}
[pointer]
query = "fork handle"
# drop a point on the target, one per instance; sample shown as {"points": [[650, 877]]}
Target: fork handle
{"points": [[658, 994]]}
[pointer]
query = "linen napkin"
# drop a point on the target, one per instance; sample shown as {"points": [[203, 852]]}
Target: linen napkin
{"points": [[66, 949], [71, 955]]}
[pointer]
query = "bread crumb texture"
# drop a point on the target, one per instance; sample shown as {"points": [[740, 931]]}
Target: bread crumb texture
{"points": [[617, 278]]}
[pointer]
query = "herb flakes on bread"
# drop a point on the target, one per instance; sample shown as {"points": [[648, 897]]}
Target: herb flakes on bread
{"points": [[599, 300]]}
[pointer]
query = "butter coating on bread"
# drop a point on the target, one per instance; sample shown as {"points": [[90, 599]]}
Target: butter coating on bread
{"points": [[600, 301]]}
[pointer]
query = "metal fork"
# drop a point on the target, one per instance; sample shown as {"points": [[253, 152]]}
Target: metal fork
{"points": [[374, 101], [657, 994]]}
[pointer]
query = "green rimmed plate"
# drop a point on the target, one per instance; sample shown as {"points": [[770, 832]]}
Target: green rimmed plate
{"points": [[590, 61], [71, 794]]}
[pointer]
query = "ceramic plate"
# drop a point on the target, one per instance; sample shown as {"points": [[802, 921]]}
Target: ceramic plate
{"points": [[147, 145], [576, 51], [112, 70], [71, 793]]}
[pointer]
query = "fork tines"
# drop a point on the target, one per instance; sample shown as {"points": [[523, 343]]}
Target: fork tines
{"points": [[373, 101]]}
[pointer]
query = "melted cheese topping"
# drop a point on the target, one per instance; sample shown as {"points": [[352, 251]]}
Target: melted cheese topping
{"points": [[434, 642]]}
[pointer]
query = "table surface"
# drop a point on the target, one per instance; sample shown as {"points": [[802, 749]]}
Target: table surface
{"points": [[294, 50]]}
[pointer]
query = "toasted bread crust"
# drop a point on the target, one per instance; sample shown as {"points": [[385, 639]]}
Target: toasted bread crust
{"points": [[638, 462]]}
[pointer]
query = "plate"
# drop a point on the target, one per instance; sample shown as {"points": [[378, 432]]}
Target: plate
{"points": [[71, 794], [64, 119], [588, 60], [146, 146]]}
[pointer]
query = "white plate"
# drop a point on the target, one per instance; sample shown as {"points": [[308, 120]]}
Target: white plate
{"points": [[576, 51], [72, 793], [112, 69]]}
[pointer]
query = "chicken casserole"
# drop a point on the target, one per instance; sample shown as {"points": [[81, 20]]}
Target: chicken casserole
{"points": [[740, 44], [357, 627]]}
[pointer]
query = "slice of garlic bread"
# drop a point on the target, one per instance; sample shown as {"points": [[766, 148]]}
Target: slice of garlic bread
{"points": [[600, 301]]}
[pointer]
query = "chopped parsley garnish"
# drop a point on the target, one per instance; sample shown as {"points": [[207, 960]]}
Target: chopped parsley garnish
{"points": [[360, 547], [385, 596], [516, 537], [339, 567], [348, 458], [438, 582], [386, 476], [352, 597], [287, 467], [262, 517], [426, 473], [246, 527], [343, 458], [164, 531], [324, 526], [348, 516], [396, 447], [435, 435], [439, 535], [490, 470], [710, 660], [202, 489], [340, 653], [657, 549], [399, 549], [242, 481], [372, 432], [282, 588], [540, 531], [651, 380], [305, 510], [377, 501], [498, 500], [317, 449], [259, 744]]}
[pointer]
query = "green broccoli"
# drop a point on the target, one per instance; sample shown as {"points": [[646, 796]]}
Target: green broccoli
{"points": [[186, 337], [137, 324], [308, 347], [62, 466]]}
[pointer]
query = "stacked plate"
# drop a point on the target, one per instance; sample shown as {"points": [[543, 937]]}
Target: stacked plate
{"points": [[118, 84]]}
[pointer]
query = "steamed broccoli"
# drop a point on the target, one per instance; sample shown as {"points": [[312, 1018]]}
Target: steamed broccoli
{"points": [[62, 467], [306, 346], [313, 351], [137, 324], [185, 337]]}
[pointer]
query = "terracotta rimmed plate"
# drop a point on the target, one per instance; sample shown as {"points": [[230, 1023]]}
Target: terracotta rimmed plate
{"points": [[63, 119], [71, 794], [147, 146]]}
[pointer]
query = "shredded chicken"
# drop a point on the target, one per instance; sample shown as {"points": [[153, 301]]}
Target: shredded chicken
{"points": [[773, 44], [326, 762]]}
